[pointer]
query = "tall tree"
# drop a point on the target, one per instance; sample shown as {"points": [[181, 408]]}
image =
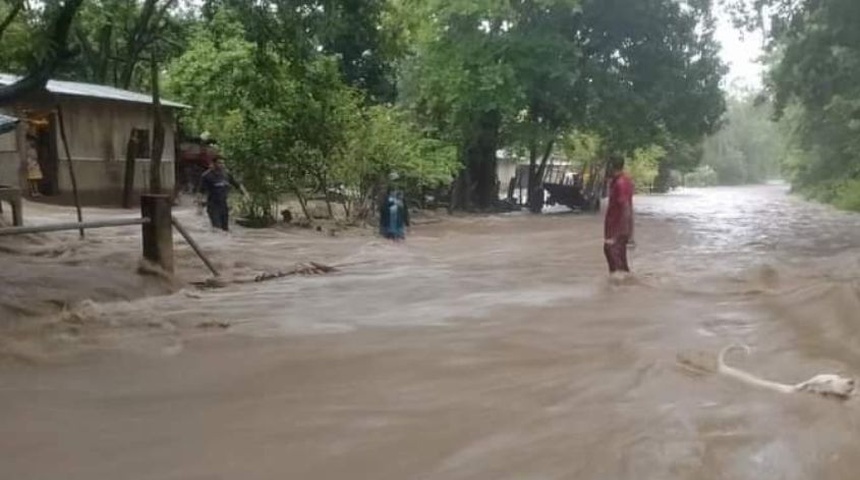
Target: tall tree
{"points": [[356, 33], [48, 47], [116, 39], [749, 147], [460, 82], [655, 70], [498, 73], [814, 53]]}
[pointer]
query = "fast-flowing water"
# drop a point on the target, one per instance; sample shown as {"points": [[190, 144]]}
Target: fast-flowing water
{"points": [[482, 348]]}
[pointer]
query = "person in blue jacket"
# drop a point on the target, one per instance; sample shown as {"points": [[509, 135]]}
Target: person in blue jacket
{"points": [[393, 215]]}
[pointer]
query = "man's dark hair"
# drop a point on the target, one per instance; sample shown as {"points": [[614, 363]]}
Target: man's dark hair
{"points": [[616, 162]]}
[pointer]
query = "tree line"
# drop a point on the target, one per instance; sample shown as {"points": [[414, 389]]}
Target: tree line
{"points": [[749, 148], [813, 60], [328, 97]]}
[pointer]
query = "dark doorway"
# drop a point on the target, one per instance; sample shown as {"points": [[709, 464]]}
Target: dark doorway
{"points": [[43, 128]]}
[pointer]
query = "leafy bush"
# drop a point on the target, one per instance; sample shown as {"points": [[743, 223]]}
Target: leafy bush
{"points": [[298, 131], [704, 176]]}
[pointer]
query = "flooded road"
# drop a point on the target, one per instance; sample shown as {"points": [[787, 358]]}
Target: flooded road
{"points": [[483, 348]]}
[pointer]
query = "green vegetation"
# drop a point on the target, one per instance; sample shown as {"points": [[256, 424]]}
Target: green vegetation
{"points": [[748, 149], [325, 98], [814, 60]]}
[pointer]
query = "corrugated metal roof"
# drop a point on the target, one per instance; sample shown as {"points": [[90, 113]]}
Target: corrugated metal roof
{"points": [[90, 90], [7, 123]]}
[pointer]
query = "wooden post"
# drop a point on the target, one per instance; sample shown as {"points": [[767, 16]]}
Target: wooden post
{"points": [[157, 132], [195, 247], [158, 232], [130, 154], [71, 165]]}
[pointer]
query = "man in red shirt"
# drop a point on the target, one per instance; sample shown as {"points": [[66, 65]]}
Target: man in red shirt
{"points": [[618, 225]]}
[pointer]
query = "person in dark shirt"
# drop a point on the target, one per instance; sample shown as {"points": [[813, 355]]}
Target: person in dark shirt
{"points": [[618, 226], [215, 184]]}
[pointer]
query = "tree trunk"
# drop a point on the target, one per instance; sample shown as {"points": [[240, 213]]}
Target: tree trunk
{"points": [[664, 178], [37, 77], [481, 162], [460, 191], [536, 174], [324, 186], [303, 203], [135, 43], [346, 209], [157, 133], [128, 183], [476, 186]]}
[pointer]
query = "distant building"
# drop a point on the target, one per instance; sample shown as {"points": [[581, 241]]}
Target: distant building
{"points": [[99, 121], [512, 172]]}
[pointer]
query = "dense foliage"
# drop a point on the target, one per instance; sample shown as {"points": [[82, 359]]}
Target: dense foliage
{"points": [[749, 147], [814, 59], [328, 97]]}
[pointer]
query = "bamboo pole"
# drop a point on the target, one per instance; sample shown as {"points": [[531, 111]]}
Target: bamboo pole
{"points": [[194, 246], [72, 176], [155, 184]]}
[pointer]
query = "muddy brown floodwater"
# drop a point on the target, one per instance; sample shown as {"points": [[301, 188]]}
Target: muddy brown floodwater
{"points": [[483, 348]]}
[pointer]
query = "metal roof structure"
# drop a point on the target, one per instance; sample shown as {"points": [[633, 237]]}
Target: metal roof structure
{"points": [[78, 89], [7, 123]]}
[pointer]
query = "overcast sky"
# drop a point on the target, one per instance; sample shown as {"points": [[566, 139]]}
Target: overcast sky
{"points": [[739, 54]]}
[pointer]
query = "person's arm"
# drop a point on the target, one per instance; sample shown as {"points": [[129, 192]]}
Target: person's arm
{"points": [[232, 181], [237, 185], [628, 220], [202, 186]]}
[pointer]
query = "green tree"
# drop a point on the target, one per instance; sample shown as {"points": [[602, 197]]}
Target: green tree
{"points": [[459, 83], [496, 74], [116, 39], [814, 54], [39, 39], [358, 34], [289, 130], [748, 148], [384, 140], [656, 74]]}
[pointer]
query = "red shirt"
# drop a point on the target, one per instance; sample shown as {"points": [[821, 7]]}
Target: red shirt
{"points": [[620, 195]]}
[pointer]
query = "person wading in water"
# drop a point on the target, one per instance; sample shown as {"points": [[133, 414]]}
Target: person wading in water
{"points": [[393, 214], [215, 184], [618, 225]]}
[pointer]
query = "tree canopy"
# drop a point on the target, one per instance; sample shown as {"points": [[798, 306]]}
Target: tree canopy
{"points": [[814, 61], [749, 147], [450, 79]]}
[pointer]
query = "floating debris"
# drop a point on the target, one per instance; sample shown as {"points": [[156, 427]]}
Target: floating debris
{"points": [[311, 268], [304, 269], [208, 325]]}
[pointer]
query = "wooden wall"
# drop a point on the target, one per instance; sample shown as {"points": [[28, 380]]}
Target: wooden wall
{"points": [[98, 131]]}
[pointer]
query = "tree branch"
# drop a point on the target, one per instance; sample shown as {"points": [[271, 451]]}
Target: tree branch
{"points": [[10, 17], [58, 52], [547, 152], [142, 36]]}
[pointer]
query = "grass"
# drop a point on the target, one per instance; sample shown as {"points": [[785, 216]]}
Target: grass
{"points": [[842, 194]]}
